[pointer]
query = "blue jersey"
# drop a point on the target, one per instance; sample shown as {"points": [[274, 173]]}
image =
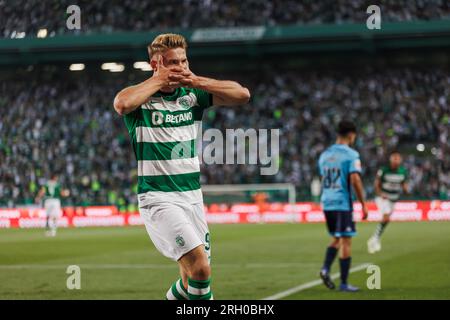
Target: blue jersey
{"points": [[336, 164]]}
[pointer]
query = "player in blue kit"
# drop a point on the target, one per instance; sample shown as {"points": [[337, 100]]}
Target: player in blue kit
{"points": [[340, 169]]}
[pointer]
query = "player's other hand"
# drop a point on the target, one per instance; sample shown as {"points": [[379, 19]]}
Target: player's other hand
{"points": [[187, 78], [168, 77], [365, 212]]}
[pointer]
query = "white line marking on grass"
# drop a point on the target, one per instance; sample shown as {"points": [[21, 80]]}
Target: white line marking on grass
{"points": [[158, 266], [279, 265], [86, 266], [311, 284]]}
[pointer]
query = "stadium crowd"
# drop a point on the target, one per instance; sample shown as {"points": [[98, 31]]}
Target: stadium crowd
{"points": [[29, 16], [70, 127]]}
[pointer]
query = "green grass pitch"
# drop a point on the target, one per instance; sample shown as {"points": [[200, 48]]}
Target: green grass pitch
{"points": [[248, 261]]}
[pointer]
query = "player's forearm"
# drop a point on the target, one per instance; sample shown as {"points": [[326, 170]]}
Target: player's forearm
{"points": [[132, 97], [378, 188], [359, 188], [39, 196], [360, 194], [230, 92], [405, 188]]}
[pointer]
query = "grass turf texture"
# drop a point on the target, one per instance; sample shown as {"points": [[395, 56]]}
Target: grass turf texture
{"points": [[248, 261]]}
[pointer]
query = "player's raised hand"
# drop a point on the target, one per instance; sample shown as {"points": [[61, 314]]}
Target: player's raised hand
{"points": [[65, 193], [167, 76], [365, 212], [189, 79]]}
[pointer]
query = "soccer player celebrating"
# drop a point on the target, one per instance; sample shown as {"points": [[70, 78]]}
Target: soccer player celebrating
{"points": [[52, 193], [162, 115], [389, 184], [340, 169]]}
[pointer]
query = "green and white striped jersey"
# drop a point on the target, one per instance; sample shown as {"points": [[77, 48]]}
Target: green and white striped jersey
{"points": [[52, 190], [391, 181], [163, 133]]}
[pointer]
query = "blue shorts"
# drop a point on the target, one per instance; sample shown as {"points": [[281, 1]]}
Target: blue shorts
{"points": [[340, 223]]}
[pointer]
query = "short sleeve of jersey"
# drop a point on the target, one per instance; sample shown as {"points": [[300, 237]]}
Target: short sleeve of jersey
{"points": [[204, 99], [131, 119], [355, 164]]}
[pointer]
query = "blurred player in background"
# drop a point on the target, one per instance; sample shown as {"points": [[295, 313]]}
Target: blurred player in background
{"points": [[261, 200], [340, 169], [52, 193], [390, 182], [162, 115]]}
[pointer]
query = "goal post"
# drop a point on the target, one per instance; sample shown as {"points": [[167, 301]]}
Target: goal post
{"points": [[234, 193]]}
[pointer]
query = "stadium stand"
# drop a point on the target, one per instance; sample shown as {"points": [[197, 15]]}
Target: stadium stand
{"points": [[127, 15], [70, 127]]}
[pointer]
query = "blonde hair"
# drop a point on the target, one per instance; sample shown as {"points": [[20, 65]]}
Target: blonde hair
{"points": [[165, 42]]}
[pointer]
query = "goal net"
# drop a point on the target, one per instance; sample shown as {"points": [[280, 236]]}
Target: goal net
{"points": [[248, 193]]}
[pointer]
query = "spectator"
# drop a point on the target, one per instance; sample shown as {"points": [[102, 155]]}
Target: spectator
{"points": [[102, 16], [51, 125]]}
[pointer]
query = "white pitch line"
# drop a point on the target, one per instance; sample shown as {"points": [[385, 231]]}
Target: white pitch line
{"points": [[85, 266], [153, 266], [311, 284]]}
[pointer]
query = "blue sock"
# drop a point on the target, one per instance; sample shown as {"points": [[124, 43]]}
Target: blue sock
{"points": [[329, 258], [345, 267]]}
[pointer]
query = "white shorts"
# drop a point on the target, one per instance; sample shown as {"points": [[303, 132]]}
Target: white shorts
{"points": [[176, 228], [53, 208], [385, 206]]}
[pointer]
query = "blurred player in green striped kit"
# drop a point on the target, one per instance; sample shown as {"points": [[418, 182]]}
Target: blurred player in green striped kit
{"points": [[390, 182], [52, 192], [163, 115]]}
